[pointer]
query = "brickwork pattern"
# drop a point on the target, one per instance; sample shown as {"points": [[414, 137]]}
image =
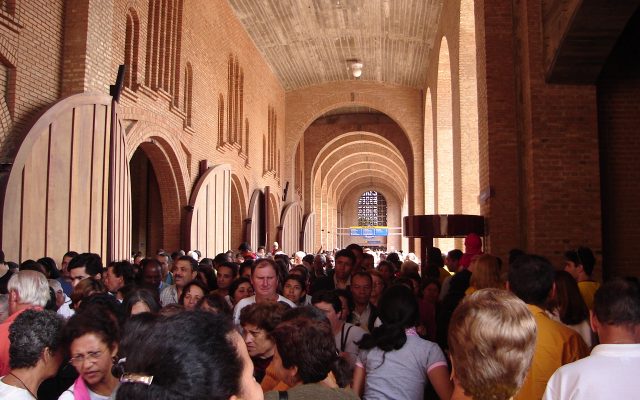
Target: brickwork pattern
{"points": [[31, 43]]}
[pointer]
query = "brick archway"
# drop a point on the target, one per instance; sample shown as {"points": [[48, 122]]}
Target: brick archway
{"points": [[401, 104], [169, 166]]}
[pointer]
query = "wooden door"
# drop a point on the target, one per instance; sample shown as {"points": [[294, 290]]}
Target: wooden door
{"points": [[289, 231], [56, 196], [209, 225]]}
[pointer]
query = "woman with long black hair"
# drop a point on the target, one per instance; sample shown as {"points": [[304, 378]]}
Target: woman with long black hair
{"points": [[394, 359]]}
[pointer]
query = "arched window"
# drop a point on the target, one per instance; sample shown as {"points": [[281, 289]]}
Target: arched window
{"points": [[188, 93], [372, 209], [132, 39]]}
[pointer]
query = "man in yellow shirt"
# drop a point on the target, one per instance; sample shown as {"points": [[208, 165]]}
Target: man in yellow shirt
{"points": [[580, 264], [531, 279]]}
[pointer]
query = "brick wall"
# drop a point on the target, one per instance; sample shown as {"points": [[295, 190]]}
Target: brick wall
{"points": [[31, 41], [542, 196], [618, 105]]}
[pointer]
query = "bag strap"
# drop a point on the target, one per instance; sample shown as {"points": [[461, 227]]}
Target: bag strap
{"points": [[344, 338], [283, 395]]}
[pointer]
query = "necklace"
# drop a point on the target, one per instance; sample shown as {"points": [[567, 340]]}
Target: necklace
{"points": [[25, 386]]}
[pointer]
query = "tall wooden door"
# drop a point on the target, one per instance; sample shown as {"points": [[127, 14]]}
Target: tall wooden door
{"points": [[58, 194], [209, 225], [289, 231]]}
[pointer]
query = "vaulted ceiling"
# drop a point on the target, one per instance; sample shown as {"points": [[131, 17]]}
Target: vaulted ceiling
{"points": [[309, 42]]}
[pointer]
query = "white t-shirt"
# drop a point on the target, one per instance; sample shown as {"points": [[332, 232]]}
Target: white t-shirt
{"points": [[68, 395], [65, 310], [13, 392], [610, 372], [251, 300], [346, 341]]}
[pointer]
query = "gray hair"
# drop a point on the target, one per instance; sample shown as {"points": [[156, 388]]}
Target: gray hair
{"points": [[32, 287], [55, 285]]}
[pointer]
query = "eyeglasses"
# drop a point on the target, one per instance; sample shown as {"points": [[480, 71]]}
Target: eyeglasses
{"points": [[91, 356]]}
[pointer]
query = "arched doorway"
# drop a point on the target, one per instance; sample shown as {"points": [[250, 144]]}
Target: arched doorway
{"points": [[238, 212], [147, 225]]}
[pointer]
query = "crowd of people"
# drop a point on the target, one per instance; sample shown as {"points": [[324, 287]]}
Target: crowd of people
{"points": [[346, 324]]}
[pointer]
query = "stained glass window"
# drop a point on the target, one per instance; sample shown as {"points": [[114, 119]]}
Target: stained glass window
{"points": [[372, 209]]}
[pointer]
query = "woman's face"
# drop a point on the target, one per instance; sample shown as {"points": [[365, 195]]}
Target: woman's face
{"points": [[251, 389], [192, 296], [431, 293], [92, 358], [139, 308], [293, 290], [377, 287], [243, 291], [386, 272]]}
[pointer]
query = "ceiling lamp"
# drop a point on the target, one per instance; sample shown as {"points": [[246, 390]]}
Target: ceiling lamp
{"points": [[356, 68]]}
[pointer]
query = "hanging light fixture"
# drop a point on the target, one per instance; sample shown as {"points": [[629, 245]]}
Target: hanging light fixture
{"points": [[355, 66]]}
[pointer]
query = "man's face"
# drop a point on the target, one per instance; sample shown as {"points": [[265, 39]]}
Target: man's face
{"points": [[225, 277], [164, 263], [264, 280], [330, 313], [571, 268], [78, 274], [451, 264], [367, 263], [183, 273], [151, 275], [330, 262], [257, 341], [293, 290], [113, 282], [343, 268], [361, 290]]}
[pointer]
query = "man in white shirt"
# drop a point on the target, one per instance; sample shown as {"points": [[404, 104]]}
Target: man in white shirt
{"points": [[265, 283], [610, 372]]}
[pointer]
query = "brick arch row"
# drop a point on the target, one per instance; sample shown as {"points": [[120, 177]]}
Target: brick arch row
{"points": [[451, 138], [349, 160]]}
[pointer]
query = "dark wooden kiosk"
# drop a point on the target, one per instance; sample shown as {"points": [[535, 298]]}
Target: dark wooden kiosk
{"points": [[429, 227]]}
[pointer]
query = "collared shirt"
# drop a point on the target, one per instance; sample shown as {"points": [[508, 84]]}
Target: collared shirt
{"points": [[341, 286], [610, 372], [362, 320], [556, 345], [169, 295]]}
